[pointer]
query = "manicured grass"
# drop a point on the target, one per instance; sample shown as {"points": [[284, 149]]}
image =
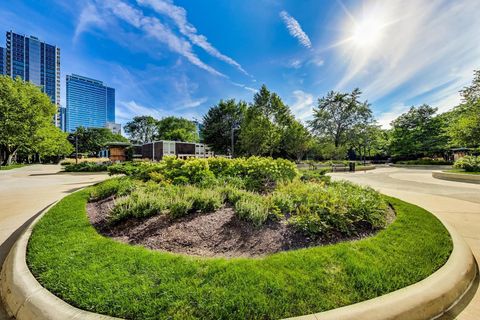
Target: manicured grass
{"points": [[94, 273], [12, 166], [460, 171]]}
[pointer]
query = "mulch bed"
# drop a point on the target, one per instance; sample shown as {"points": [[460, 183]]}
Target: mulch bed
{"points": [[217, 234]]}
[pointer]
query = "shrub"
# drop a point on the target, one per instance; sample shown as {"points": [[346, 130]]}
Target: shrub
{"points": [[69, 161], [426, 161], [315, 175], [138, 205], [252, 207], [86, 167], [117, 186], [205, 200], [468, 163], [316, 208]]}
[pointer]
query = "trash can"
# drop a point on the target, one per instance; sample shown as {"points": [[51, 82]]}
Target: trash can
{"points": [[351, 166]]}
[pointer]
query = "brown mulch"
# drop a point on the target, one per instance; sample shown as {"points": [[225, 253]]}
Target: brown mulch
{"points": [[217, 234]]}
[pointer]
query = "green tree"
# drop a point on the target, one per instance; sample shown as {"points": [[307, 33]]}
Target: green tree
{"points": [[418, 132], [25, 112], [141, 129], [177, 129], [464, 120], [51, 141], [220, 121], [337, 114], [297, 140], [265, 123], [93, 140]]}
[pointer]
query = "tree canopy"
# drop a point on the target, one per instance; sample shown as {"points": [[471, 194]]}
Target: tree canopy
{"points": [[26, 120], [337, 114], [220, 121], [176, 129], [141, 129], [93, 140]]}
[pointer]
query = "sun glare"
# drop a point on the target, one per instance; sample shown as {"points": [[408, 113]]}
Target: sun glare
{"points": [[367, 32]]}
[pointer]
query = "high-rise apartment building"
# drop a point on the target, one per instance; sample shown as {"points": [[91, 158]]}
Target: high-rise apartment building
{"points": [[37, 62], [90, 103], [2, 60]]}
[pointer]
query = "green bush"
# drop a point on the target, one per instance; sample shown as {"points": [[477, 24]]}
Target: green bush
{"points": [[117, 186], [315, 175], [468, 163], [252, 207], [139, 204], [316, 208], [86, 167], [426, 161], [256, 173]]}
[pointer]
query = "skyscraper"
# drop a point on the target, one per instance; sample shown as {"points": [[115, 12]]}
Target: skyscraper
{"points": [[90, 103], [37, 62], [2, 60]]}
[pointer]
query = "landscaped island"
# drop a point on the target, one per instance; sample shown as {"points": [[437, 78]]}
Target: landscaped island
{"points": [[254, 211]]}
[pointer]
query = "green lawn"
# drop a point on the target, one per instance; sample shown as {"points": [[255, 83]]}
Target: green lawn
{"points": [[460, 171], [12, 166], [94, 273]]}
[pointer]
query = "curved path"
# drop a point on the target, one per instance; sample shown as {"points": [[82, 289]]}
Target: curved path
{"points": [[25, 192], [456, 203]]}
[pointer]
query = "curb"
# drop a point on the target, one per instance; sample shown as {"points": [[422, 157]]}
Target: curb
{"points": [[24, 297], [459, 177], [422, 166], [430, 298]]}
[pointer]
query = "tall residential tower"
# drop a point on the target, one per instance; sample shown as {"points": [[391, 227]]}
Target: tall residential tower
{"points": [[2, 60], [37, 62], [90, 103]]}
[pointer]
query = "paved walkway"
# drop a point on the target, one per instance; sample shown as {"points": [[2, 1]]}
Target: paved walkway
{"points": [[26, 191], [456, 203]]}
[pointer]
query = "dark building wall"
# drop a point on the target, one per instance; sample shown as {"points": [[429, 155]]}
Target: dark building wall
{"points": [[147, 150], [185, 148]]}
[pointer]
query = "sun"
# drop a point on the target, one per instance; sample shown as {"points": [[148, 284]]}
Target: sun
{"points": [[367, 32]]}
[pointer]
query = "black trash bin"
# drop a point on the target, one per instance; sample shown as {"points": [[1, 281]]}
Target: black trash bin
{"points": [[351, 166]]}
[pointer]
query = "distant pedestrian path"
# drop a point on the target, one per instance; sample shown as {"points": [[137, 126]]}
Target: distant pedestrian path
{"points": [[26, 191], [456, 203]]}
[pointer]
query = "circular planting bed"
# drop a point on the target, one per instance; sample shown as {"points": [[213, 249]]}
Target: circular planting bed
{"points": [[269, 246]]}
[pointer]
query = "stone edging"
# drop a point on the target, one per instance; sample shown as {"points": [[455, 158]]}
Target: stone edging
{"points": [[459, 177], [430, 298], [422, 166], [24, 297]]}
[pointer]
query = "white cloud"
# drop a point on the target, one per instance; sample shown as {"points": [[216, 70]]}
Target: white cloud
{"points": [[241, 85], [385, 118], [179, 16], [126, 110], [88, 17], [302, 108], [99, 16], [295, 63], [295, 29], [420, 43], [191, 103]]}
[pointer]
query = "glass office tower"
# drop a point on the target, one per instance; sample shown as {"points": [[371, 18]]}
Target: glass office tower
{"points": [[3, 60], [90, 103], [35, 61]]}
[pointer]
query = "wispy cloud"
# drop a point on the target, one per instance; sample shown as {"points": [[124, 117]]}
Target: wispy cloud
{"points": [[295, 29], [419, 46], [241, 85], [153, 27], [303, 105], [126, 110], [179, 17]]}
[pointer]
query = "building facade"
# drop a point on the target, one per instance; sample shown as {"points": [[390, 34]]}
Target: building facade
{"points": [[37, 62], [90, 103], [114, 127], [3, 60], [158, 149]]}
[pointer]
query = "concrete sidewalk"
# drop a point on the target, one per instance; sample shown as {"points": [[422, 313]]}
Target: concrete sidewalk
{"points": [[26, 191], [453, 202]]}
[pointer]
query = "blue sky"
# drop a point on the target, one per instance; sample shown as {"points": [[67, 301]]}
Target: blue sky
{"points": [[181, 57]]}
